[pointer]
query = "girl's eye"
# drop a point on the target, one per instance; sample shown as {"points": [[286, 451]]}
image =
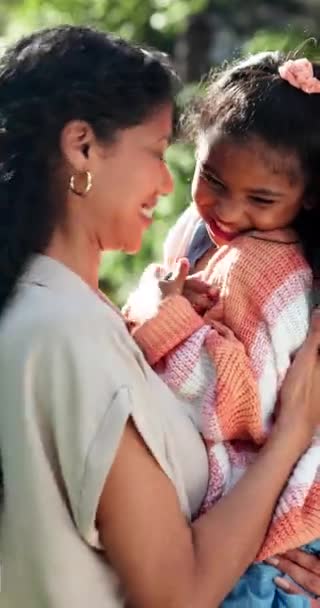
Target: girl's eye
{"points": [[211, 179], [261, 201]]}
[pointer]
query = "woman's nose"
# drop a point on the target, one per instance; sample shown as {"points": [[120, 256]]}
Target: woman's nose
{"points": [[167, 180]]}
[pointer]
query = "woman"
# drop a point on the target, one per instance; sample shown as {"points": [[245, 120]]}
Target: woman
{"points": [[102, 468]]}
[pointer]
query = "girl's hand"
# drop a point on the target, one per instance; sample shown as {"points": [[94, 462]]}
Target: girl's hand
{"points": [[222, 329], [300, 393], [214, 314], [303, 568], [173, 283], [143, 303], [199, 293]]}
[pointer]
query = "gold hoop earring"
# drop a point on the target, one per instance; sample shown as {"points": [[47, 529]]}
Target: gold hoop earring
{"points": [[88, 185]]}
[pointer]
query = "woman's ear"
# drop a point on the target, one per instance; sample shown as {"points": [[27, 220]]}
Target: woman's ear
{"points": [[75, 141]]}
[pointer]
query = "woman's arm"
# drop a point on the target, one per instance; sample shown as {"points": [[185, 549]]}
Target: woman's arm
{"points": [[163, 561]]}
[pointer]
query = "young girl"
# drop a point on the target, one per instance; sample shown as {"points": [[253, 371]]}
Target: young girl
{"points": [[256, 198]]}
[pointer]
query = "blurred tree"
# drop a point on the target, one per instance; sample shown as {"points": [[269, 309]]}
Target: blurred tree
{"points": [[155, 22], [158, 23], [152, 22], [293, 41]]}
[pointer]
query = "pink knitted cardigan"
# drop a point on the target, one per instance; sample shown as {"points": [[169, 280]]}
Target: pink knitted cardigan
{"points": [[234, 385]]}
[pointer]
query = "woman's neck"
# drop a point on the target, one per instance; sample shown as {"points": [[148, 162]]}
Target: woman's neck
{"points": [[78, 253]]}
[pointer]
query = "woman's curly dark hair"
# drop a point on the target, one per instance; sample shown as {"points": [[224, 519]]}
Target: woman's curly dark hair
{"points": [[47, 79], [249, 98]]}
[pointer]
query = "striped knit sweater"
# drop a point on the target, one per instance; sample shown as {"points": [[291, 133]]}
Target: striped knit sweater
{"points": [[233, 384]]}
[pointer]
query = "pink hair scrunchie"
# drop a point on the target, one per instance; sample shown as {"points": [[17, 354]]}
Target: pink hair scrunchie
{"points": [[299, 73]]}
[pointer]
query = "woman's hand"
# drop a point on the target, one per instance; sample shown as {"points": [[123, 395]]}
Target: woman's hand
{"points": [[300, 393], [303, 568]]}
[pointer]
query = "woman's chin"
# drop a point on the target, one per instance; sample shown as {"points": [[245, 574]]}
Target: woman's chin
{"points": [[131, 247], [127, 243]]}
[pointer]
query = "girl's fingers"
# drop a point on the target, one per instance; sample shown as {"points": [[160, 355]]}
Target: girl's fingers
{"points": [[173, 284]]}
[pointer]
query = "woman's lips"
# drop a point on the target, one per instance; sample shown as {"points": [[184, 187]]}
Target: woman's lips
{"points": [[147, 212]]}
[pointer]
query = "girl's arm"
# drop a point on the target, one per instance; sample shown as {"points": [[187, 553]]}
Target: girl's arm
{"points": [[158, 316]]}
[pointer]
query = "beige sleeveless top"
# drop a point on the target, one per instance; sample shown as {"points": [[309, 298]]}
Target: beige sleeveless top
{"points": [[70, 376]]}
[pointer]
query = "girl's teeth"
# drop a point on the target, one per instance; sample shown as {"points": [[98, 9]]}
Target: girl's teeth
{"points": [[223, 228], [147, 212]]}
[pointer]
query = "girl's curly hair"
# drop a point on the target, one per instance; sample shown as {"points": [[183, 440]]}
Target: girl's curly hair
{"points": [[249, 98]]}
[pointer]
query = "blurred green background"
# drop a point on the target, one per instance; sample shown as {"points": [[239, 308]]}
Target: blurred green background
{"points": [[198, 34]]}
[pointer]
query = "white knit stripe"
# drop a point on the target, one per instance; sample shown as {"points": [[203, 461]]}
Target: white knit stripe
{"points": [[222, 266], [285, 328], [190, 372], [241, 454], [236, 473], [306, 470], [210, 421], [186, 368], [286, 335], [289, 329], [219, 453], [305, 473], [295, 497], [296, 283], [195, 385]]}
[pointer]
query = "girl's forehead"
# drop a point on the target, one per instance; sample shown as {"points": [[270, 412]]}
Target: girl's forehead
{"points": [[248, 153]]}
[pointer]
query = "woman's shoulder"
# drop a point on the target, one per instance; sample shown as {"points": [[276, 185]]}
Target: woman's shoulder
{"points": [[67, 322], [76, 353]]}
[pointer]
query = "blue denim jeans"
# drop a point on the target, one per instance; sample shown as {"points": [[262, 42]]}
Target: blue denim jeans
{"points": [[256, 588]]}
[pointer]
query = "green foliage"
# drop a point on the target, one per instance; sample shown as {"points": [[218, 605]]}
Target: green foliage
{"points": [[154, 22], [292, 41], [157, 23]]}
